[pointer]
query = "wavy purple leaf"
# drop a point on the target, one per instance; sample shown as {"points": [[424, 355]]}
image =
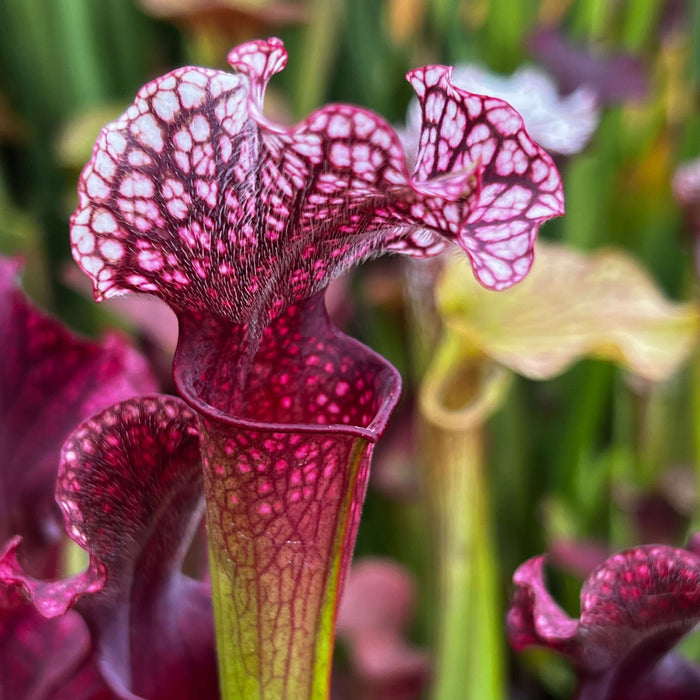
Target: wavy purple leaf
{"points": [[131, 492], [635, 607], [50, 380]]}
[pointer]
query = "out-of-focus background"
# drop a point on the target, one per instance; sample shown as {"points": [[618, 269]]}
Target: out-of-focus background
{"points": [[592, 461]]}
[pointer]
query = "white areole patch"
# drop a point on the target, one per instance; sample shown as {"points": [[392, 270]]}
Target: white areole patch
{"points": [[112, 250], [165, 104], [192, 96], [136, 185], [91, 264], [104, 165], [83, 239], [199, 128], [147, 131], [339, 127], [104, 222]]}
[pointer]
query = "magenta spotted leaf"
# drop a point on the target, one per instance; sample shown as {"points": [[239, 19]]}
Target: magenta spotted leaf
{"points": [[635, 607], [195, 196], [50, 380], [130, 487]]}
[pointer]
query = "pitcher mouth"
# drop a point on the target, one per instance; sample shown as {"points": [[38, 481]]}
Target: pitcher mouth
{"points": [[192, 358]]}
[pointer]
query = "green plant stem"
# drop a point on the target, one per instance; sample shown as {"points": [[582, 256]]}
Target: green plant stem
{"points": [[595, 381], [458, 395], [320, 45], [80, 52]]}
